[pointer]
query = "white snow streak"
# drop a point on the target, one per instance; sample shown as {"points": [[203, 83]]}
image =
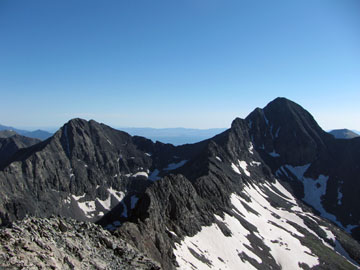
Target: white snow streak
{"points": [[236, 169], [141, 174], [243, 165], [251, 148], [255, 163]]}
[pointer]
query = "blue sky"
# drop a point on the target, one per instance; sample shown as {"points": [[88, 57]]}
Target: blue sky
{"points": [[188, 63]]}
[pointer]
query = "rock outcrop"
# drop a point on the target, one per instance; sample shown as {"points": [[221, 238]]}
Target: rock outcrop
{"points": [[57, 243]]}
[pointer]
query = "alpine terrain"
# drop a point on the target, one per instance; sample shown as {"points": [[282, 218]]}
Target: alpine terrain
{"points": [[274, 191], [343, 134]]}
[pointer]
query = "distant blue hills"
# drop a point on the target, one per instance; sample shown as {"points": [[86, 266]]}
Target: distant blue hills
{"points": [[38, 134], [175, 136]]}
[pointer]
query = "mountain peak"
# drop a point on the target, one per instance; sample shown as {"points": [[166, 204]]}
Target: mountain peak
{"points": [[343, 134], [283, 105], [77, 122], [282, 124], [281, 100]]}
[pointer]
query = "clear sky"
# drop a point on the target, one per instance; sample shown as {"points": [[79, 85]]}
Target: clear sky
{"points": [[183, 63]]}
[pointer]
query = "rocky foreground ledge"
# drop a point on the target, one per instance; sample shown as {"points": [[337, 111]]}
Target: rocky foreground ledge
{"points": [[56, 243]]}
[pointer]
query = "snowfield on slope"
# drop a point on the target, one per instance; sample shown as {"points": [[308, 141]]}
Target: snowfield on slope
{"points": [[211, 249]]}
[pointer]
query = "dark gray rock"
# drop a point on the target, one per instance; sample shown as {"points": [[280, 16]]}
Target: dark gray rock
{"points": [[11, 144], [36, 243]]}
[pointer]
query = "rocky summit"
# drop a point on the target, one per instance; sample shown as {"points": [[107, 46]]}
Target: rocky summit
{"points": [[274, 191], [55, 243]]}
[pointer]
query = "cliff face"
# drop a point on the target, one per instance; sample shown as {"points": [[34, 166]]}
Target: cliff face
{"points": [[11, 144]]}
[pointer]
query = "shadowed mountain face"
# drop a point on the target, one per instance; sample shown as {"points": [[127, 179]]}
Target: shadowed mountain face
{"points": [[272, 192], [343, 134], [7, 133], [11, 144]]}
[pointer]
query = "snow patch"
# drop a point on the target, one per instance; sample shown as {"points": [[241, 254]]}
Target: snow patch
{"points": [[210, 249], [141, 174], [76, 198], [154, 175], [117, 223], [173, 166], [255, 163], [298, 171], [112, 200], [339, 196], [217, 250], [243, 165], [329, 234], [274, 154], [134, 200], [280, 236], [125, 212], [236, 169], [88, 208], [314, 189], [251, 148], [219, 159], [349, 228]]}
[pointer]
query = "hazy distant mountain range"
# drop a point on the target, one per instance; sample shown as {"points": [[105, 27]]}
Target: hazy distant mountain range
{"points": [[38, 134], [175, 136]]}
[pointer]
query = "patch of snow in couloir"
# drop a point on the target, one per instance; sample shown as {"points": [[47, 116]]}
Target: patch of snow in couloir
{"points": [[173, 166]]}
